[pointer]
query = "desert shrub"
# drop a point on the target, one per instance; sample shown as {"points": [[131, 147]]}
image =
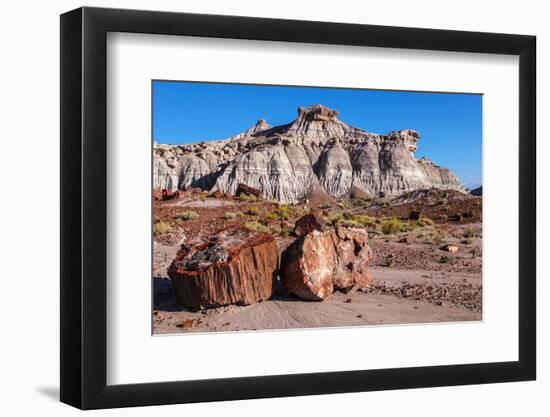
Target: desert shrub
{"points": [[161, 228], [188, 215], [424, 221], [230, 215], [202, 197], [256, 226], [350, 223], [392, 225], [468, 233], [247, 197], [285, 230], [252, 211], [284, 212], [336, 218], [365, 221], [271, 216], [438, 237], [444, 259]]}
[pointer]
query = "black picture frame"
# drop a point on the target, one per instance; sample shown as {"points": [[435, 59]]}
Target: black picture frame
{"points": [[84, 207]]}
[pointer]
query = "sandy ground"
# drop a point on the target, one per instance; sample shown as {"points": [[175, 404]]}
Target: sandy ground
{"points": [[415, 279], [387, 303]]}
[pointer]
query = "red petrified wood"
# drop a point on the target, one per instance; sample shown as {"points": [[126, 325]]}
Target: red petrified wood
{"points": [[234, 267], [325, 259]]}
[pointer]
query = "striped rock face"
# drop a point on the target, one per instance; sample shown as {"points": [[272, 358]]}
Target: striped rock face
{"points": [[236, 266], [316, 150]]}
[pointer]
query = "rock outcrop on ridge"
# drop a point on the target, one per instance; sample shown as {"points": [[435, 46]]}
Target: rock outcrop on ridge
{"points": [[315, 151]]}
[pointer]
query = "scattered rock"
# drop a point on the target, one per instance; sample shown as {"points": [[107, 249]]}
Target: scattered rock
{"points": [[449, 248], [236, 266], [308, 224], [245, 189]]}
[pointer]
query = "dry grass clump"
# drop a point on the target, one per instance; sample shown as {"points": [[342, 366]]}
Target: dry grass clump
{"points": [[187, 215], [161, 228], [257, 227], [271, 216], [392, 225], [231, 215], [468, 233], [252, 211], [247, 197]]}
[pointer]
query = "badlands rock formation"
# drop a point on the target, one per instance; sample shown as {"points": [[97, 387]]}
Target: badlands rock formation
{"points": [[316, 151], [234, 267]]}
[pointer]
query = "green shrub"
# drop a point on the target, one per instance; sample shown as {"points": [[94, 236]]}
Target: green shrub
{"points": [[284, 212], [188, 215], [247, 197], [161, 228], [336, 218], [230, 215], [285, 230], [350, 223], [256, 226], [393, 225], [364, 220], [271, 216], [468, 233], [252, 211]]}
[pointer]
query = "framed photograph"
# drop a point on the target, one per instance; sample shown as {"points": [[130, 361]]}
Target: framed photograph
{"points": [[261, 208]]}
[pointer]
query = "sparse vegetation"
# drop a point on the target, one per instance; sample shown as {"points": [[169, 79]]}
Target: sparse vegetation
{"points": [[364, 220], [285, 230], [444, 259], [247, 197], [202, 196], [438, 237], [392, 225], [350, 223], [257, 227], [231, 215], [188, 215], [284, 212], [468, 233], [252, 211], [336, 218], [161, 228], [271, 216]]}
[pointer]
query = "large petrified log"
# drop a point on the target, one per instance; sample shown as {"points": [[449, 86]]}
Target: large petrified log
{"points": [[354, 255], [236, 266], [325, 259]]}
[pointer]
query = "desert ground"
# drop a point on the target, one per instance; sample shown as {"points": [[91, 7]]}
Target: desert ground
{"points": [[426, 265]]}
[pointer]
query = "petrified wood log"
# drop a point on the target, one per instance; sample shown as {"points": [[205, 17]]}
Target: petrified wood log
{"points": [[354, 255], [236, 266], [308, 265], [326, 259]]}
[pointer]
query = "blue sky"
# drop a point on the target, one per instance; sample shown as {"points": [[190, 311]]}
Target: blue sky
{"points": [[450, 125]]}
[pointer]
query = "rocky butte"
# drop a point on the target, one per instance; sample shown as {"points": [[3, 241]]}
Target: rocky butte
{"points": [[315, 153]]}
